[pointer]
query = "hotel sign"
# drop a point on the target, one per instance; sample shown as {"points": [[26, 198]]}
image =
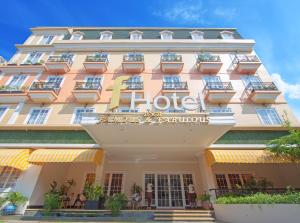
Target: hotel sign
{"points": [[153, 118]]}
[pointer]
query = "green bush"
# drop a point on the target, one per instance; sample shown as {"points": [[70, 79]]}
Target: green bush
{"points": [[52, 201], [15, 198], [115, 203], [261, 198], [93, 192]]}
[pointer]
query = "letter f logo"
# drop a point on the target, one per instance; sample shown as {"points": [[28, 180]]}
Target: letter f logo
{"points": [[118, 86]]}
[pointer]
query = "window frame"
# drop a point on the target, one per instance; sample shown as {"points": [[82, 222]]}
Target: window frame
{"points": [[271, 121], [104, 33], [7, 83], [29, 54], [138, 33], [226, 173], [227, 35], [4, 112], [76, 34], [195, 33], [42, 37], [110, 180], [38, 108], [75, 113], [166, 32], [9, 177]]}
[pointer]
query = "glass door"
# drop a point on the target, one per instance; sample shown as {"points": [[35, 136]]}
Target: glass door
{"points": [[169, 190]]}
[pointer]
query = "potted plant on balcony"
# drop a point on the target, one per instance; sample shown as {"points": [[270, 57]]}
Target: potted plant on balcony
{"points": [[115, 203], [205, 201], [136, 195], [94, 196], [14, 199]]}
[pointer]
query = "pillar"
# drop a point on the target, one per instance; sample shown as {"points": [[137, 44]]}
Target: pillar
{"points": [[100, 171]]}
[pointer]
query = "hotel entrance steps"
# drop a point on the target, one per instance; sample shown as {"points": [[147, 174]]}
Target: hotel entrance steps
{"points": [[203, 216]]}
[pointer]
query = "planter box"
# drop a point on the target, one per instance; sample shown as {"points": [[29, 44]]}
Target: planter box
{"points": [[92, 205], [259, 213]]}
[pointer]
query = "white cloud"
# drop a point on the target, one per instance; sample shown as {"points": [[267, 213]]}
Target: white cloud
{"points": [[292, 91], [183, 12], [225, 13]]}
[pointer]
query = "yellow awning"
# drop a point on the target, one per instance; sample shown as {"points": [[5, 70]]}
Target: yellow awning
{"points": [[243, 156], [42, 156], [17, 158]]}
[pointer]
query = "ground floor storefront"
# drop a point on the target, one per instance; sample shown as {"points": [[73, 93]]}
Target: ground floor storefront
{"points": [[170, 180]]}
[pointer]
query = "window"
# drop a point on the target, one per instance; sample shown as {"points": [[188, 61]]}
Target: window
{"points": [[113, 183], [213, 82], [16, 81], [171, 81], [268, 116], [227, 35], [246, 177], [67, 57], [76, 36], [221, 181], [127, 109], [38, 116], [197, 35], [3, 110], [8, 177], [234, 180], [166, 35], [136, 35], [46, 39], [254, 81], [106, 35], [134, 82], [79, 112], [90, 178], [55, 79], [93, 82], [33, 58], [220, 110]]}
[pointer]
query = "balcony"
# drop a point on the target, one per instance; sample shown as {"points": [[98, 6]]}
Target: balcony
{"points": [[133, 63], [44, 91], [180, 88], [87, 92], [218, 92], [246, 64], [12, 94], [171, 63], [96, 63], [27, 67], [261, 92], [58, 64], [207, 63], [137, 87]]}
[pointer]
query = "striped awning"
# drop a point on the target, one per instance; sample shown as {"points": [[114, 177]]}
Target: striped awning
{"points": [[243, 156], [42, 156], [17, 158]]}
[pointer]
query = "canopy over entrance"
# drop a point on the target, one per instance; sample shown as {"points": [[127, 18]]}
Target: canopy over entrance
{"points": [[17, 158]]}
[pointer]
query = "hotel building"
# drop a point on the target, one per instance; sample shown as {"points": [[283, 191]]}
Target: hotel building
{"points": [[118, 106]]}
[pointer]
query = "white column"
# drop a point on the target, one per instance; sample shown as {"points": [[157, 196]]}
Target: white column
{"points": [[27, 182], [206, 175], [100, 171]]}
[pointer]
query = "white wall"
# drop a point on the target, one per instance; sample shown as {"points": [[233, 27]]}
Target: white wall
{"points": [[262, 213]]}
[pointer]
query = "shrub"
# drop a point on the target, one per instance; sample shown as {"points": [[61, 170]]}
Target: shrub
{"points": [[15, 198], [116, 202], [261, 198], [52, 201], [93, 192]]}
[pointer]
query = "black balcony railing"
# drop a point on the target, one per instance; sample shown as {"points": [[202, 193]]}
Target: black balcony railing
{"points": [[218, 86], [133, 58], [171, 58], [134, 85], [11, 90], [243, 192], [61, 59], [45, 86], [245, 58], [97, 58], [262, 86], [208, 58], [83, 85], [175, 86]]}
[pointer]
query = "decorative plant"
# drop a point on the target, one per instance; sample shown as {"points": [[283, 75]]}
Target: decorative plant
{"points": [[52, 201], [93, 192], [136, 189], [15, 198], [286, 146], [116, 202]]}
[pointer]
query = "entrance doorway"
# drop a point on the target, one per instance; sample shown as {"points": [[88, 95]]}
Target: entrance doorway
{"points": [[169, 189]]}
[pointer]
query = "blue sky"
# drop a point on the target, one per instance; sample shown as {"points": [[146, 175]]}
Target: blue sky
{"points": [[274, 24]]}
